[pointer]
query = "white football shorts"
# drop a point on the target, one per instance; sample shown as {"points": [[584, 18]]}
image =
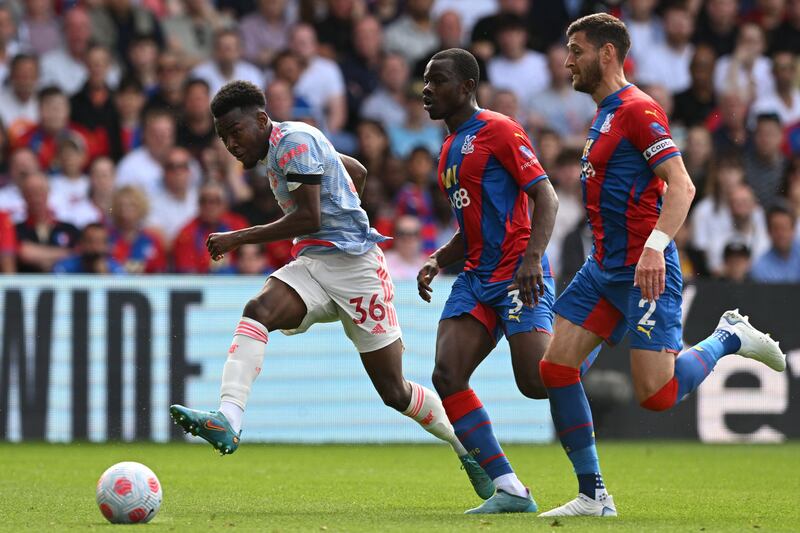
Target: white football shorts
{"points": [[354, 289]]}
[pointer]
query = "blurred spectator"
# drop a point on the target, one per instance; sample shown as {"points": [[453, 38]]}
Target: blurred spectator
{"points": [[227, 64], [143, 62], [787, 36], [69, 185], [251, 260], [781, 264], [764, 162], [8, 244], [143, 166], [717, 26], [785, 99], [92, 107], [174, 203], [92, 255], [406, 256], [559, 106], [712, 211], [196, 128], [505, 101], [449, 30], [548, 145], [171, 75], [515, 67], [791, 189], [19, 108], [129, 101], [39, 28], [644, 26], [137, 249], [191, 33], [414, 198], [412, 35], [693, 261], [288, 68], [746, 225], [120, 22], [43, 240], [768, 14], [265, 32], [219, 166], [417, 130], [469, 13], [736, 263], [731, 135], [373, 148], [667, 63], [335, 31], [565, 176], [97, 206], [9, 46], [362, 68], [486, 30], [236, 8], [576, 248], [320, 83], [697, 156], [746, 70], [23, 161], [190, 254], [386, 104], [280, 102], [694, 105], [64, 66], [54, 123]]}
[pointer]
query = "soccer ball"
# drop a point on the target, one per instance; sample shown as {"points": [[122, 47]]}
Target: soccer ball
{"points": [[128, 493]]}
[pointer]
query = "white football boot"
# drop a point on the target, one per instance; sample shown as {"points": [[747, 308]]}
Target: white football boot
{"points": [[755, 344], [585, 506]]}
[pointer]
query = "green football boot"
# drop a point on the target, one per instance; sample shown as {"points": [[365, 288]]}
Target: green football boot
{"points": [[481, 482], [503, 502], [209, 425]]}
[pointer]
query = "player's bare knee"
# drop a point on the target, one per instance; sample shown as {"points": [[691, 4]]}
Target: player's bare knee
{"points": [[532, 388], [256, 310], [395, 395], [446, 382]]}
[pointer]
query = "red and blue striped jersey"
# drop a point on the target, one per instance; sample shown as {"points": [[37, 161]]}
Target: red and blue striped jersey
{"points": [[485, 168], [629, 137]]}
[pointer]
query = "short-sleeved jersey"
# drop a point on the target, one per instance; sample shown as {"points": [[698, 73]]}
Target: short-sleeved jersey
{"points": [[300, 149], [629, 137], [485, 168]]}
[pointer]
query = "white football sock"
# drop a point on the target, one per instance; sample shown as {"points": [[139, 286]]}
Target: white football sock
{"points": [[426, 408], [511, 484], [233, 413], [245, 357]]}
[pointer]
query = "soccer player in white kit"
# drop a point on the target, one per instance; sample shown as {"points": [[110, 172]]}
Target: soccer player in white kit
{"points": [[339, 273]]}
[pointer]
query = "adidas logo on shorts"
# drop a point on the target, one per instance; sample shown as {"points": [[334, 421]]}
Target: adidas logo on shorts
{"points": [[378, 329]]}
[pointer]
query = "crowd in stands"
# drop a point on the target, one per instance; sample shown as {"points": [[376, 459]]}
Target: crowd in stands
{"points": [[109, 162]]}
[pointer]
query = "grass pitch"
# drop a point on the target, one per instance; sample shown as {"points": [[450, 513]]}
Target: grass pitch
{"points": [[656, 486]]}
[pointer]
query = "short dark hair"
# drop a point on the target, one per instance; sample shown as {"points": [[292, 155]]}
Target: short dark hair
{"points": [[130, 83], [237, 94], [49, 92], [735, 249], [780, 208], [602, 28], [464, 63], [191, 82], [91, 226], [21, 58], [768, 117]]}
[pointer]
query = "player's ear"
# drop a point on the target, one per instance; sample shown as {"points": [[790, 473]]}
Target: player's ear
{"points": [[262, 119], [607, 52], [469, 86]]}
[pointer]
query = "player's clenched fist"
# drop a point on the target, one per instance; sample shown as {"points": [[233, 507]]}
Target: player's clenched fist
{"points": [[219, 244], [425, 276]]}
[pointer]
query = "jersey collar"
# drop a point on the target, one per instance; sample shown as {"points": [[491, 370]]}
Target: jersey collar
{"points": [[607, 100]]}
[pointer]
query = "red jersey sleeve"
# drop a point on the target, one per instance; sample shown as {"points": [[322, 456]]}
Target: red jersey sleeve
{"points": [[514, 151], [8, 235], [647, 128]]}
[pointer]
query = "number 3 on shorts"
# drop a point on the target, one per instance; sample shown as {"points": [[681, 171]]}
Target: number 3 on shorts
{"points": [[376, 311], [514, 295]]}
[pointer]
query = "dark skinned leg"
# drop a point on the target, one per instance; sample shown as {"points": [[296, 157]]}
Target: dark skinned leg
{"points": [[385, 368], [527, 349], [462, 343], [277, 306]]}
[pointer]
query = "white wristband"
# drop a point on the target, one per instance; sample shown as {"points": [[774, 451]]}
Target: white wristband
{"points": [[658, 240]]}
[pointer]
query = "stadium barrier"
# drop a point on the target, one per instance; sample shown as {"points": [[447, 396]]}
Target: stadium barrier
{"points": [[101, 358]]}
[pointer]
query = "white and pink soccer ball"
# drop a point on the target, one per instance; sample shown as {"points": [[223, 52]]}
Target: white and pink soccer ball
{"points": [[128, 493]]}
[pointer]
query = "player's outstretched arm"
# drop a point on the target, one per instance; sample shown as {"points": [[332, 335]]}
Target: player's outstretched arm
{"points": [[651, 271], [441, 258], [529, 278], [357, 172], [305, 219]]}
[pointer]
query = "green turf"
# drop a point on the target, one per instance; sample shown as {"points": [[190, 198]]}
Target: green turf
{"points": [[657, 487]]}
